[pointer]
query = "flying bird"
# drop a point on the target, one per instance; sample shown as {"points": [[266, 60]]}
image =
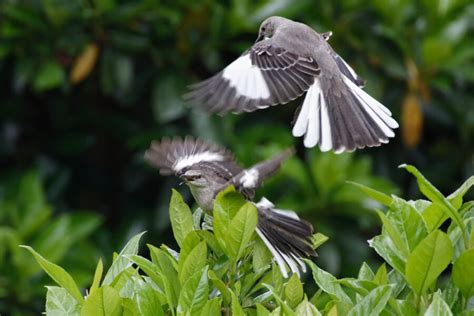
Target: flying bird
{"points": [[207, 169], [288, 60]]}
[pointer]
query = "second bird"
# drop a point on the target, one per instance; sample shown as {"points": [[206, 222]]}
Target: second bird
{"points": [[290, 59]]}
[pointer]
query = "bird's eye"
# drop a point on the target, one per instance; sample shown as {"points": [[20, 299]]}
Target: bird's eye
{"points": [[263, 29]]}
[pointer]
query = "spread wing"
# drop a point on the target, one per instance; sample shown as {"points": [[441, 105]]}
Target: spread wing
{"points": [[264, 75], [175, 156]]}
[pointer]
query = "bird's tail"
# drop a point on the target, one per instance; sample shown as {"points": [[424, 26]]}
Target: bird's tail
{"points": [[338, 115], [286, 236]]}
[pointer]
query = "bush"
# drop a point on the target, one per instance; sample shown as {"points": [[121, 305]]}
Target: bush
{"points": [[26, 217], [221, 268]]}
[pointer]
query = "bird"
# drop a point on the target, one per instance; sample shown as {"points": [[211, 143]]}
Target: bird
{"points": [[288, 60], [207, 169]]}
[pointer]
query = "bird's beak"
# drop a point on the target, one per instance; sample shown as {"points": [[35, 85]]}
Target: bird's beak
{"points": [[259, 38]]}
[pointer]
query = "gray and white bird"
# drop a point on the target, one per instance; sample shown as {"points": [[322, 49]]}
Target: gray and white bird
{"points": [[207, 169], [287, 60]]}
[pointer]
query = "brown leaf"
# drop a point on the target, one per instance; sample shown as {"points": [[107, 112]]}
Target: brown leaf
{"points": [[412, 120], [84, 63]]}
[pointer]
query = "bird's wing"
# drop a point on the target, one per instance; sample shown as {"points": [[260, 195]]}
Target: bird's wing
{"points": [[264, 75], [253, 178], [176, 155]]}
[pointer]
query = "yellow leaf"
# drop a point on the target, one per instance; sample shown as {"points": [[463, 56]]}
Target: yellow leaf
{"points": [[412, 121], [84, 63]]}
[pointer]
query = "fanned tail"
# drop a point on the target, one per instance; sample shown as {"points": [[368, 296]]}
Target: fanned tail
{"points": [[286, 236]]}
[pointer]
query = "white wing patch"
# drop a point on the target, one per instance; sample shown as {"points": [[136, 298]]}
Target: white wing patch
{"points": [[190, 160], [313, 111], [246, 78], [250, 178]]}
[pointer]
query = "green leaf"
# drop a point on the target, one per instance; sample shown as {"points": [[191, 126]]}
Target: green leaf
{"points": [[194, 293], [366, 273], [181, 217], [434, 216], [394, 234], [220, 285], [294, 291], [104, 301], [122, 261], [261, 311], [305, 308], [318, 239], [434, 195], [374, 303], [328, 283], [195, 261], [456, 197], [262, 257], [226, 205], [409, 222], [237, 309], [378, 196], [59, 302], [150, 269], [58, 274], [428, 260], [169, 275], [463, 273], [241, 230], [381, 277], [285, 308], [147, 299], [212, 307], [384, 246], [97, 276], [438, 307], [189, 243], [49, 75]]}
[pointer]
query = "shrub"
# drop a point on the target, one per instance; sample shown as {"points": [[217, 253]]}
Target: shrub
{"points": [[26, 217], [221, 268]]}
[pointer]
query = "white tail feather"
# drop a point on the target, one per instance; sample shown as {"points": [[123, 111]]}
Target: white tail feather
{"points": [[276, 254]]}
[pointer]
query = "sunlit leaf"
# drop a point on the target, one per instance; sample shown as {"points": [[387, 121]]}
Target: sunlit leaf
{"points": [[241, 230], [97, 276], [104, 301], [194, 293], [181, 217], [428, 260], [463, 273], [294, 291], [438, 307], [60, 302], [122, 261], [58, 274], [195, 261], [374, 303], [374, 194], [328, 283]]}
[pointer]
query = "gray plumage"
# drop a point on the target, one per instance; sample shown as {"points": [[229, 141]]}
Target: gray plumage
{"points": [[207, 169], [290, 59]]}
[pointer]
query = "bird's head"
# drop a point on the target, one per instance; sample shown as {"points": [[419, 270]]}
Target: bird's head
{"points": [[269, 26], [195, 177]]}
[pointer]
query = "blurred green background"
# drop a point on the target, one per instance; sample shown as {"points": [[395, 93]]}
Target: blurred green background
{"points": [[86, 85]]}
